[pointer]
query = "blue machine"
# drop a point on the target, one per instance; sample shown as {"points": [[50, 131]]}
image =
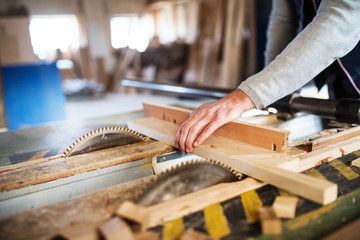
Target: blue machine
{"points": [[32, 95]]}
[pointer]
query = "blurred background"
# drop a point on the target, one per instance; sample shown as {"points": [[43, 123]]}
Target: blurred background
{"points": [[78, 59]]}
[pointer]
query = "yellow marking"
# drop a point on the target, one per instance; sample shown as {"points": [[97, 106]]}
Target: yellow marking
{"points": [[315, 173], [344, 169], [39, 155], [216, 222], [173, 229], [285, 193], [357, 153], [251, 203]]}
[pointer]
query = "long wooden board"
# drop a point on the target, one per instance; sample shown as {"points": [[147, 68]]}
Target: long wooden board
{"points": [[266, 137], [256, 162], [169, 210], [66, 167]]}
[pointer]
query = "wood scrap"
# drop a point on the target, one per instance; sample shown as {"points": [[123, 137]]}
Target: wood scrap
{"points": [[146, 235], [253, 161], [115, 229], [266, 137], [184, 205], [355, 162], [285, 207], [270, 223]]}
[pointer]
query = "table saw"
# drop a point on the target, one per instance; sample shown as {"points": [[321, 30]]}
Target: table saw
{"points": [[58, 182]]}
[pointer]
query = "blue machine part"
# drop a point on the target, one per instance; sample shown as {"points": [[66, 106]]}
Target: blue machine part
{"points": [[32, 95]]}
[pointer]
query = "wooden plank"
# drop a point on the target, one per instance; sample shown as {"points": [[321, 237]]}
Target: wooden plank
{"points": [[332, 139], [250, 160], [270, 223], [285, 207], [266, 137], [184, 205], [66, 167]]}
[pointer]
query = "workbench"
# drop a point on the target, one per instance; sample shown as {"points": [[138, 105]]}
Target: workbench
{"points": [[89, 205]]}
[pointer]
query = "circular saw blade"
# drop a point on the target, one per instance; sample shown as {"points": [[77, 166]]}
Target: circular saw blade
{"points": [[104, 138], [186, 178]]}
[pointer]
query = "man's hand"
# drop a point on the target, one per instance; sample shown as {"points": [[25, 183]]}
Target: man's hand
{"points": [[204, 120]]}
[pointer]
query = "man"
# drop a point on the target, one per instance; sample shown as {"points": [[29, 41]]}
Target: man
{"points": [[293, 59]]}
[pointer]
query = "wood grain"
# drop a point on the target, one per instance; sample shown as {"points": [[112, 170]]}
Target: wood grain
{"points": [[66, 167], [266, 137]]}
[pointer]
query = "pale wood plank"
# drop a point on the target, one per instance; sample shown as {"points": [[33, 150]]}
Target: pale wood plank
{"points": [[250, 160], [266, 137], [184, 205]]}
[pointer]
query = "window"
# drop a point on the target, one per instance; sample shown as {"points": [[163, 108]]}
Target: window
{"points": [[131, 31], [51, 32]]}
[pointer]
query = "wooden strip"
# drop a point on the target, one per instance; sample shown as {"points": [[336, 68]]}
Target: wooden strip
{"points": [[329, 140], [245, 158], [66, 167], [186, 204], [345, 170], [216, 222], [266, 137], [326, 154], [251, 203]]}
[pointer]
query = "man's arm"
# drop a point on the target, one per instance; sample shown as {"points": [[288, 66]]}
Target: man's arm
{"points": [[333, 33]]}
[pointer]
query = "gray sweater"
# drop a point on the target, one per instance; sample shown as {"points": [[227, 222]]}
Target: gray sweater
{"points": [[294, 59]]}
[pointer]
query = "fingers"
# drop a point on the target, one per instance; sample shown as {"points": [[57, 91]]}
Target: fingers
{"points": [[188, 132], [207, 131]]}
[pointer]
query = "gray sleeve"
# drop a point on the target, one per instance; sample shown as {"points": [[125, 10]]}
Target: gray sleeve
{"points": [[283, 27], [333, 33]]}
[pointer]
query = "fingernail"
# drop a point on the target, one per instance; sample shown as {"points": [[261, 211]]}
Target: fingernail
{"points": [[187, 150], [196, 144]]}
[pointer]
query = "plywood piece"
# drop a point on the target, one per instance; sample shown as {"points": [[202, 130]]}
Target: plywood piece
{"points": [[285, 207], [355, 162], [266, 137], [146, 235], [253, 161], [115, 229], [184, 205], [270, 224]]}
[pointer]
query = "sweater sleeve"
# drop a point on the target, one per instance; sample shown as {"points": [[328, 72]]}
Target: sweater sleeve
{"points": [[332, 34]]}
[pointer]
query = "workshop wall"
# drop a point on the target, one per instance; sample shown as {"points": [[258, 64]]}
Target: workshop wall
{"points": [[217, 39]]}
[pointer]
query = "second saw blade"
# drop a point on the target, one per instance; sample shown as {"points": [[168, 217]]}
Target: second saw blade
{"points": [[185, 179]]}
